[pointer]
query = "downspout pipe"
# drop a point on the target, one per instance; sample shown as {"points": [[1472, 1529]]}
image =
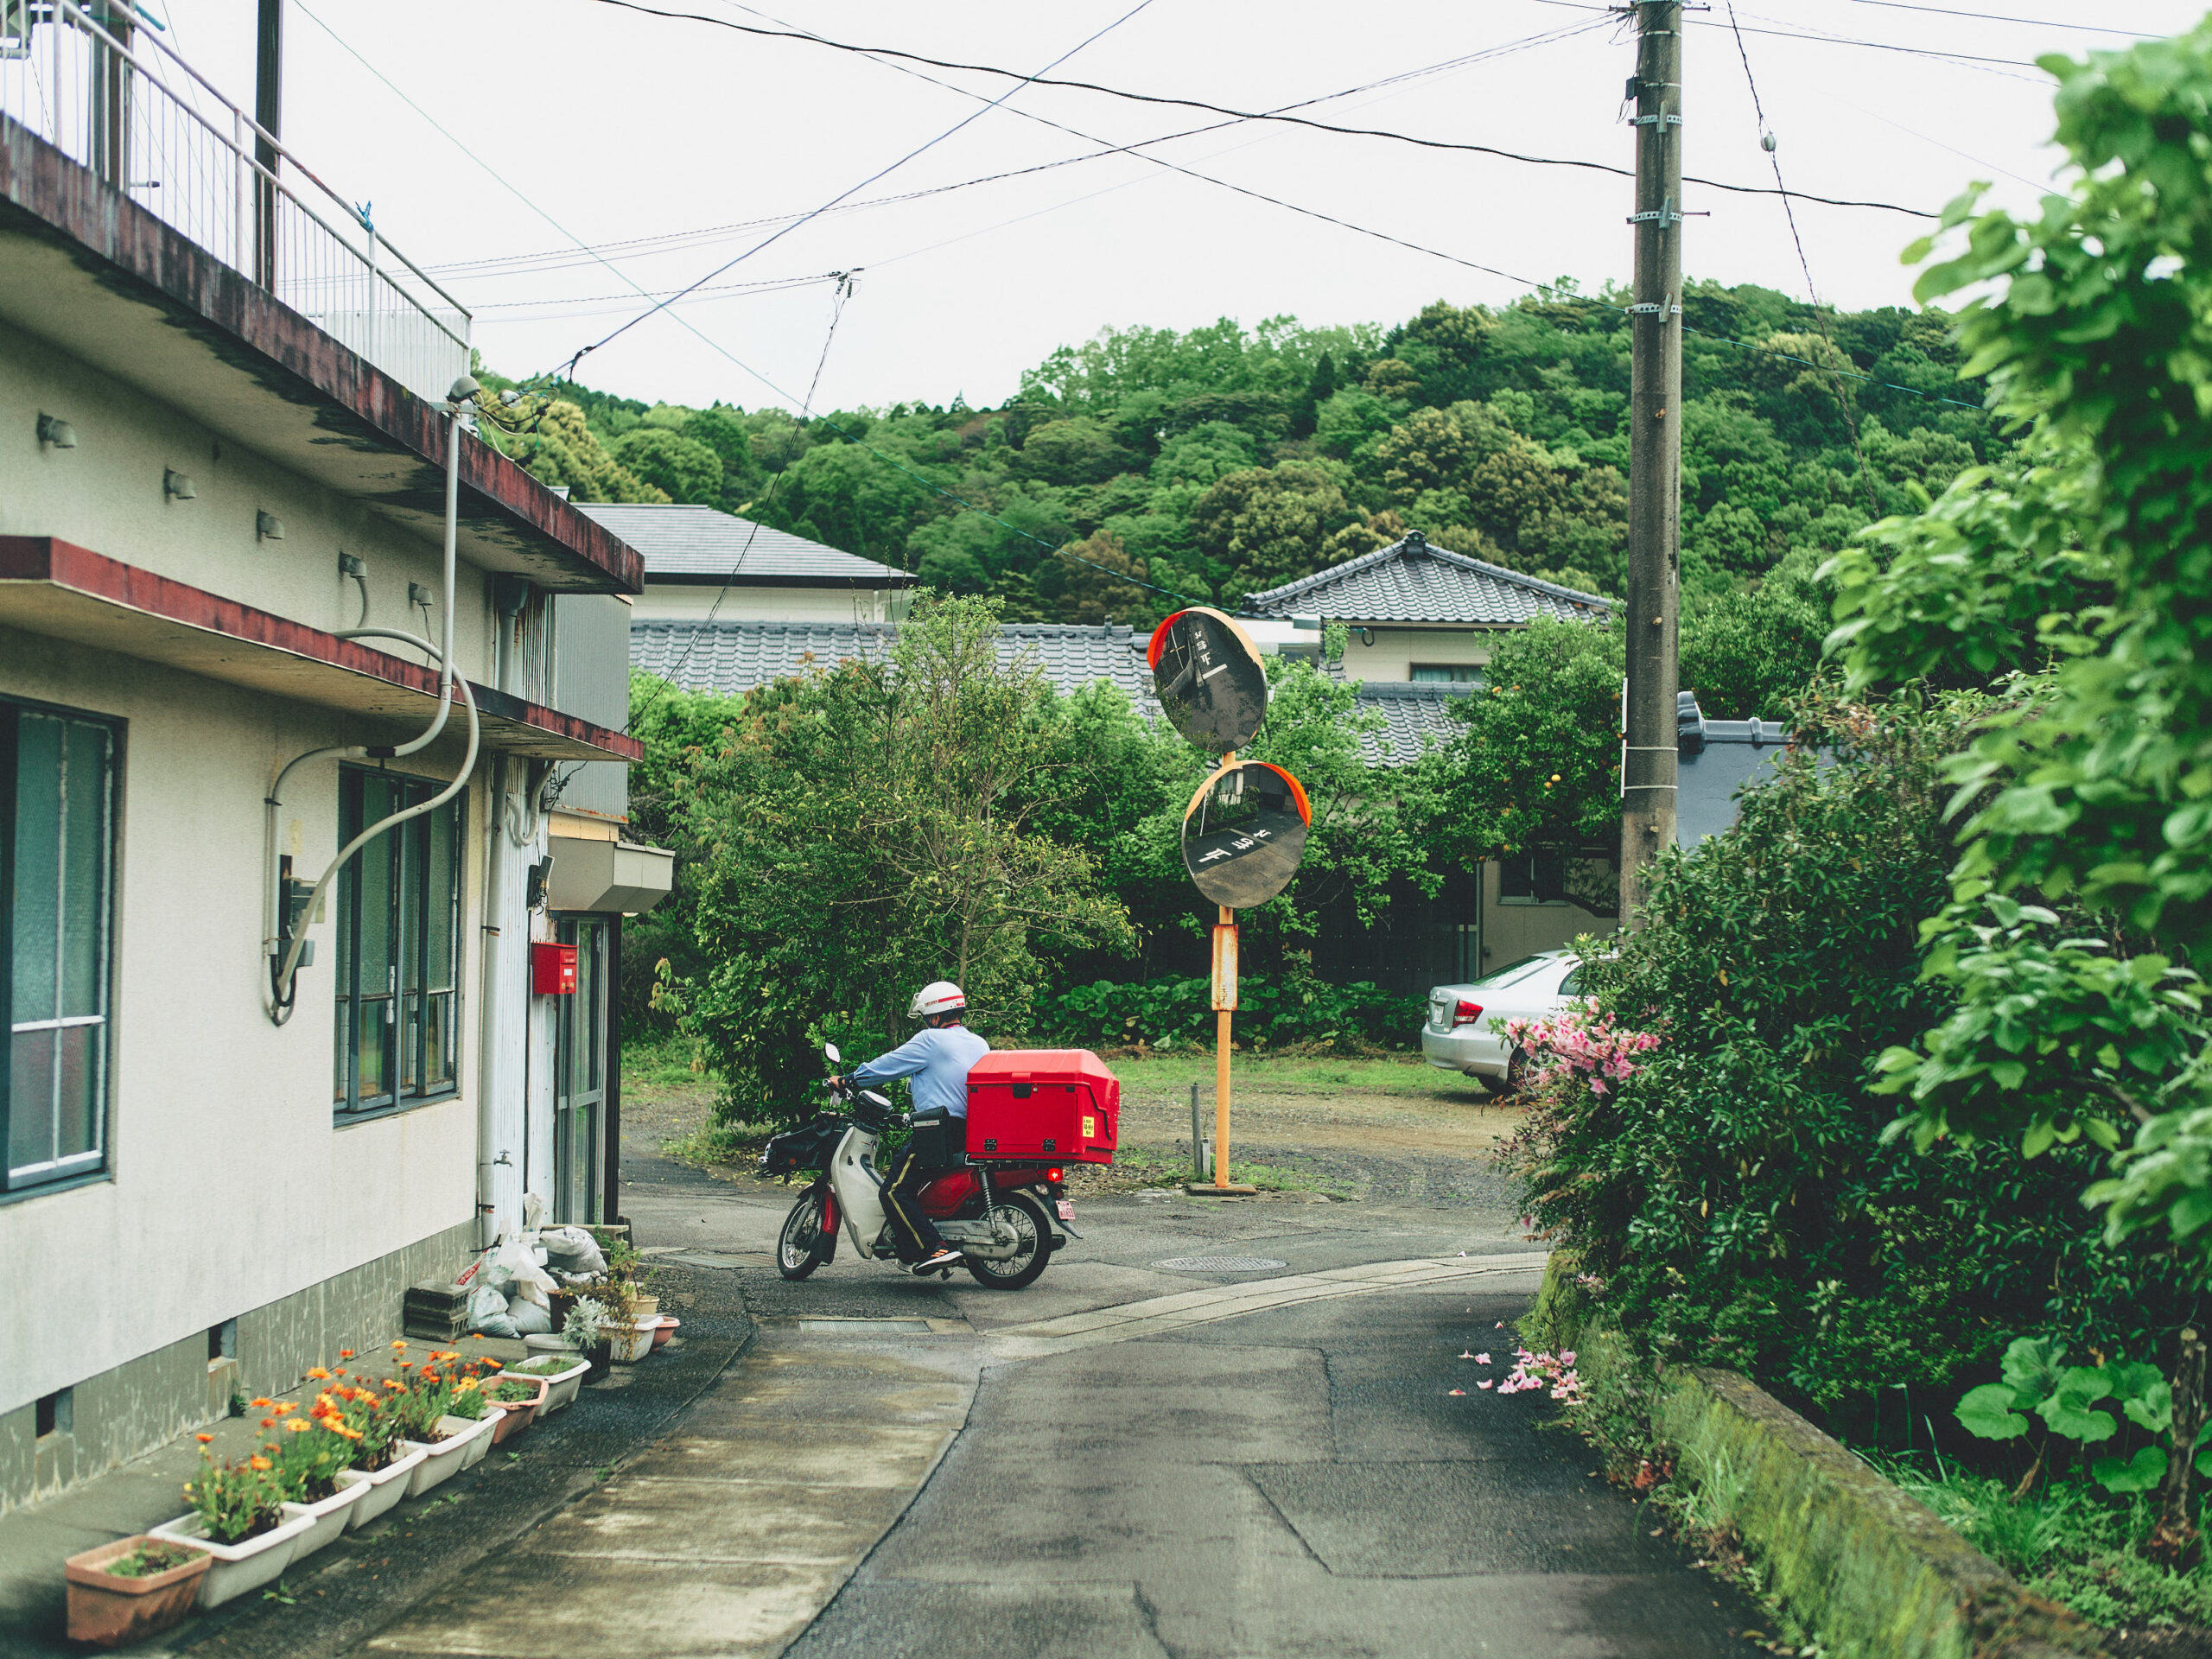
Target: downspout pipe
{"points": [[492, 1004]]}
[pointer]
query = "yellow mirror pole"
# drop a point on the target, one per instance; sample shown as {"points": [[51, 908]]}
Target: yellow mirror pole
{"points": [[1225, 981]]}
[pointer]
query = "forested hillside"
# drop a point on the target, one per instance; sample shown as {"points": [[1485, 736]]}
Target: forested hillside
{"points": [[1220, 462]]}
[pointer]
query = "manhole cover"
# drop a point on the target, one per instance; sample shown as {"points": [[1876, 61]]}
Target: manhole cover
{"points": [[864, 1327], [1220, 1263]]}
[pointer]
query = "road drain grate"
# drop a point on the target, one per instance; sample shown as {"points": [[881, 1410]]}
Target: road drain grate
{"points": [[864, 1327], [1220, 1263]]}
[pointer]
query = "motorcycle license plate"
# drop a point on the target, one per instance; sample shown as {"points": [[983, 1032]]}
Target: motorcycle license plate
{"points": [[1067, 1209]]}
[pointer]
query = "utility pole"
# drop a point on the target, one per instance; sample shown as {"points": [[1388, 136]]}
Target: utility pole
{"points": [[269, 112], [1648, 761]]}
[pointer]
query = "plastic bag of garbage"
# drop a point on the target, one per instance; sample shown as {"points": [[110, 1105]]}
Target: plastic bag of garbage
{"points": [[526, 1279], [572, 1249], [533, 1211], [529, 1319], [488, 1312]]}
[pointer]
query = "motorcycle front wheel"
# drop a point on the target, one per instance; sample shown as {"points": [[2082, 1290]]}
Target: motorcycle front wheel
{"points": [[1032, 1234], [799, 1246]]}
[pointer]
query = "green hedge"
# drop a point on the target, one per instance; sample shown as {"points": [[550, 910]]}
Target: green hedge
{"points": [[1170, 1013]]}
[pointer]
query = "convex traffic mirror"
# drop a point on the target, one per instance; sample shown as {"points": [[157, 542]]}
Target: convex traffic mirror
{"points": [[1209, 677], [1244, 833]]}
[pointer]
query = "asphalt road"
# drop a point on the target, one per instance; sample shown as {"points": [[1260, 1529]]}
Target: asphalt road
{"points": [[1292, 1480]]}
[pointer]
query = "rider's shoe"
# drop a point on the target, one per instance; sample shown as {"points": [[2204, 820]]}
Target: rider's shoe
{"points": [[943, 1262]]}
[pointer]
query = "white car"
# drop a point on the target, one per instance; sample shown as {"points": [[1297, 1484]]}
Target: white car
{"points": [[1460, 1034]]}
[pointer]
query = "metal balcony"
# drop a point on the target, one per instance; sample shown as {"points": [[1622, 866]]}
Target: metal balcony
{"points": [[117, 100]]}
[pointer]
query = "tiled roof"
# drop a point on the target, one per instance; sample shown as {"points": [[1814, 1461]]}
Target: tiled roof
{"points": [[733, 656], [1415, 718], [1410, 580], [684, 543], [730, 658]]}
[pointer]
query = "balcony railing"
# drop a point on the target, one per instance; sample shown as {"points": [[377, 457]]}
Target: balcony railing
{"points": [[114, 98]]}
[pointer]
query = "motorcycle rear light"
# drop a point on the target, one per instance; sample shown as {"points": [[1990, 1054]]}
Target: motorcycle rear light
{"points": [[1052, 1174], [1467, 1013]]}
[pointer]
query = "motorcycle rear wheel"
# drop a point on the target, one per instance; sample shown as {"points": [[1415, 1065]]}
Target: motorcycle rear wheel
{"points": [[799, 1246], [1034, 1232]]}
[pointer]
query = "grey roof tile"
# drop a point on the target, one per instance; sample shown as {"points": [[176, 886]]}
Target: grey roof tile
{"points": [[1410, 580], [682, 542], [731, 658]]}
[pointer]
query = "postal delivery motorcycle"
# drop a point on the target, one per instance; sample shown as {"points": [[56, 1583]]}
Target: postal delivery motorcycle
{"points": [[1031, 1113]]}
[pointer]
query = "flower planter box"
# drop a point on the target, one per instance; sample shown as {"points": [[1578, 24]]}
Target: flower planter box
{"points": [[445, 1459], [234, 1569], [631, 1342], [383, 1488], [330, 1515], [516, 1415], [668, 1324], [108, 1612], [561, 1385]]}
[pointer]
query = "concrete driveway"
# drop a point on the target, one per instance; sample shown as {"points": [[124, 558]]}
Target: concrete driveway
{"points": [[1273, 1464]]}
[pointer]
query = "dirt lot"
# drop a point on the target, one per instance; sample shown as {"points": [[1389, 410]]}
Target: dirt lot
{"points": [[1394, 1131]]}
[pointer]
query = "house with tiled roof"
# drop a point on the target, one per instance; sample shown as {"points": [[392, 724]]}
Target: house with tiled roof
{"points": [[700, 560], [1416, 613]]}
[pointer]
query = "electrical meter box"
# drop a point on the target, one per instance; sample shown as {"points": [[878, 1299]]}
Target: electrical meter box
{"points": [[1050, 1105]]}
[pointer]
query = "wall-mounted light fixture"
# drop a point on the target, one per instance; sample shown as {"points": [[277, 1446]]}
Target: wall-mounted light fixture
{"points": [[177, 487], [53, 430], [267, 526]]}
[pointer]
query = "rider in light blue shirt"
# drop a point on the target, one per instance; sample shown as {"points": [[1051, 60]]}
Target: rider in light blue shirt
{"points": [[937, 1058]]}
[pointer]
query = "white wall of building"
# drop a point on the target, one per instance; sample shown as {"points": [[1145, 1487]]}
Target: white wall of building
{"points": [[106, 495], [229, 1185]]}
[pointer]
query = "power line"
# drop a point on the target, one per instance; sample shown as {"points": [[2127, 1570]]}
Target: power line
{"points": [[885, 53], [880, 173], [1998, 18], [1825, 39], [673, 241]]}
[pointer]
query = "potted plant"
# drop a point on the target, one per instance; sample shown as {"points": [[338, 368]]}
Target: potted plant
{"points": [[624, 1262], [667, 1329], [423, 1401], [311, 1449], [131, 1589], [562, 1374], [587, 1335], [517, 1399], [237, 1518]]}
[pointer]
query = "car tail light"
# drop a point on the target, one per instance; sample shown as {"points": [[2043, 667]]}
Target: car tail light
{"points": [[1467, 1013]]}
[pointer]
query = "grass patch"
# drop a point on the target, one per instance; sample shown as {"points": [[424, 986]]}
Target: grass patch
{"points": [[1291, 1074], [717, 1146], [655, 1061], [1137, 1167], [2065, 1541]]}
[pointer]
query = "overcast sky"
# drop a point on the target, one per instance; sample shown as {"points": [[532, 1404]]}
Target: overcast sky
{"points": [[610, 126]]}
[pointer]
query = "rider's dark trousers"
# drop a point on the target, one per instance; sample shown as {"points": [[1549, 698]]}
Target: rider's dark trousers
{"points": [[935, 1143]]}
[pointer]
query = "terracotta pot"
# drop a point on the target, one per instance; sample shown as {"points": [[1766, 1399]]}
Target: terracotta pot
{"points": [[108, 1612], [668, 1324], [521, 1414]]}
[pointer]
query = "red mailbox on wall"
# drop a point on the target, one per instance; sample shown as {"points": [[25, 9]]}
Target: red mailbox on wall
{"points": [[553, 969]]}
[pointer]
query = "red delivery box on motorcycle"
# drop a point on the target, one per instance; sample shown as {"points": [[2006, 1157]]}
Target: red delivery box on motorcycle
{"points": [[1057, 1105]]}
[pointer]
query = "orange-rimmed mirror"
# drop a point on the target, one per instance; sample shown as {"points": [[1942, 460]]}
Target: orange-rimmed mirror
{"points": [[1208, 676], [1244, 833]]}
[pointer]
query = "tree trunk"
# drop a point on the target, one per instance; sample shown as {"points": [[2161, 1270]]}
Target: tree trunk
{"points": [[2174, 1540]]}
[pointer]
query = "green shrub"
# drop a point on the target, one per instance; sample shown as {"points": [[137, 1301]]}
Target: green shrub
{"points": [[1736, 1199], [1173, 1013]]}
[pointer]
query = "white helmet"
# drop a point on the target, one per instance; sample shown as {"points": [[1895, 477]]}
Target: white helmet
{"points": [[938, 996]]}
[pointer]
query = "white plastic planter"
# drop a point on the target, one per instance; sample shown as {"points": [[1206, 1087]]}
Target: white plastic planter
{"points": [[445, 1459], [561, 1385], [329, 1515], [241, 1566], [632, 1342], [385, 1487]]}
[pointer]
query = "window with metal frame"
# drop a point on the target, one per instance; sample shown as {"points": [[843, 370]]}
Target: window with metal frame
{"points": [[58, 773], [396, 965], [1533, 878], [1446, 673]]}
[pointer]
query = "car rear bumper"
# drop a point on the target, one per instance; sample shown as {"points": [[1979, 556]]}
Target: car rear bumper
{"points": [[1476, 1053]]}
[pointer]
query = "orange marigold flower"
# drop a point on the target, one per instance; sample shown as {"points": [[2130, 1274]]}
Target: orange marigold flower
{"points": [[495, 1365], [318, 1373], [288, 1408], [299, 1426], [406, 1364], [259, 1463], [203, 1439], [262, 1404], [269, 1422], [400, 1342], [345, 1353]]}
